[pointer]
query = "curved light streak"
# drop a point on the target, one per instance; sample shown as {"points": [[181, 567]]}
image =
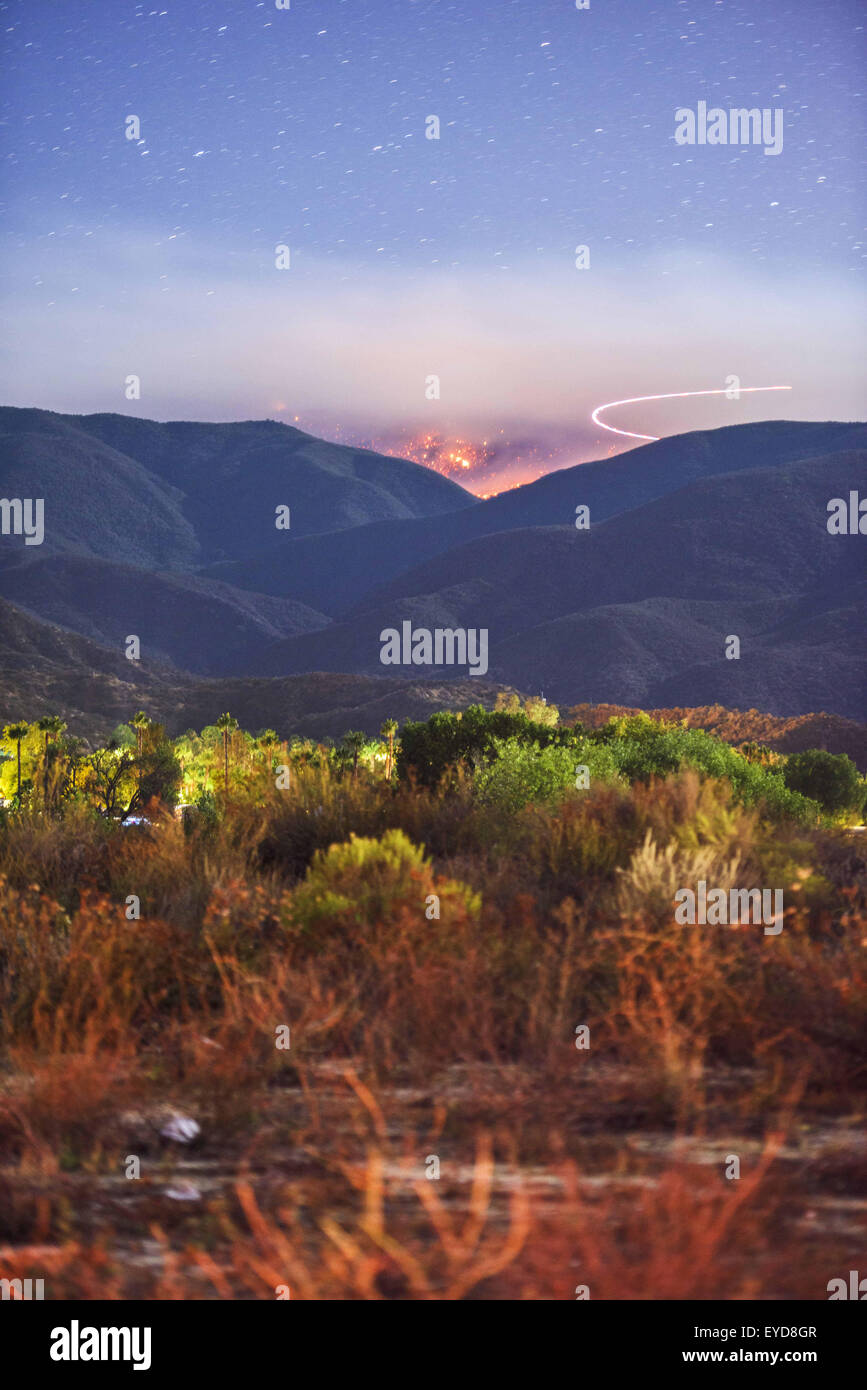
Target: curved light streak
{"points": [[670, 396]]}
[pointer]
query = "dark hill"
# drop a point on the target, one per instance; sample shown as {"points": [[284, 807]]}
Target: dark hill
{"points": [[166, 531], [179, 494], [333, 572], [48, 671], [133, 508], [198, 625], [640, 606]]}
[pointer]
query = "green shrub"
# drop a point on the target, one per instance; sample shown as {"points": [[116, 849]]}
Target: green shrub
{"points": [[369, 883], [643, 748], [831, 779], [429, 750], [517, 773], [159, 775], [209, 811]]}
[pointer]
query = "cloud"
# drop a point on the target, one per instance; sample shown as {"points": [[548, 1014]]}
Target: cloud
{"points": [[214, 335]]}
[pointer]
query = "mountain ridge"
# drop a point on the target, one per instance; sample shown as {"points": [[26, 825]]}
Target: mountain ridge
{"points": [[690, 540], [49, 671], [335, 568], [182, 494]]}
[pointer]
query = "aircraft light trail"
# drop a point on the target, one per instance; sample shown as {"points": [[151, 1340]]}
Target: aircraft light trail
{"points": [[669, 396]]}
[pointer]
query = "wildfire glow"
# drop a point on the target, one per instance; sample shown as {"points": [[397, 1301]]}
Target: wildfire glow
{"points": [[485, 468], [451, 457]]}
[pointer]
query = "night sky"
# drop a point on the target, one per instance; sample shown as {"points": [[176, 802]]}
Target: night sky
{"points": [[410, 256]]}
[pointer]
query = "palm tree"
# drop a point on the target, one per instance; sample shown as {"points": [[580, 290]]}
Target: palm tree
{"points": [[388, 731], [268, 740], [44, 725], [140, 722], [51, 726], [354, 741], [73, 748], [303, 751], [58, 726], [227, 724], [15, 733]]}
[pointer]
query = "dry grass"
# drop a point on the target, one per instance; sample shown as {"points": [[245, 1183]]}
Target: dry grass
{"points": [[107, 1024]]}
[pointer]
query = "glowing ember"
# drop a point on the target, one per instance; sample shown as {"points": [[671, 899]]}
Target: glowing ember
{"points": [[451, 457], [485, 467]]}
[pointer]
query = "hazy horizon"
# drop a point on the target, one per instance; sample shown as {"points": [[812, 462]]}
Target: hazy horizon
{"points": [[412, 258]]}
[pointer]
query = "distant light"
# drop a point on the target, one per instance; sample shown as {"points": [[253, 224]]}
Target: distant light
{"points": [[670, 396]]}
